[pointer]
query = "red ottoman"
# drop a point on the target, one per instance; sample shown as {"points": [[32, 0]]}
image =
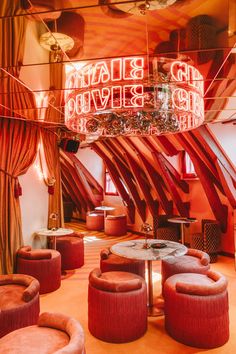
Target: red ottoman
{"points": [[71, 248], [117, 306], [196, 309], [19, 302], [55, 333], [195, 261], [110, 262], [115, 225], [43, 264], [95, 221]]}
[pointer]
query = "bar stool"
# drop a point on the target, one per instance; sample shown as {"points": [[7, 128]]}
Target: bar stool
{"points": [[194, 261], [54, 333], [111, 262], [19, 302], [117, 306], [43, 264], [71, 248], [115, 225], [196, 309]]}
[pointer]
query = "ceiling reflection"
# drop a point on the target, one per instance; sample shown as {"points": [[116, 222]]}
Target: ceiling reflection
{"points": [[39, 37]]}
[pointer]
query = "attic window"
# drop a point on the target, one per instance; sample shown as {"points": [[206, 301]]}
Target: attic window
{"points": [[110, 188], [188, 170]]}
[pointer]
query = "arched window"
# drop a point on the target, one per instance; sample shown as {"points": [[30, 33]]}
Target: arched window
{"points": [[110, 188], [188, 170]]}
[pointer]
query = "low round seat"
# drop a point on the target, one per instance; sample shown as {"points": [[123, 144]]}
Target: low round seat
{"points": [[71, 248], [111, 262], [55, 333], [117, 306], [43, 264], [95, 221], [194, 261], [19, 302], [196, 309], [115, 225]]}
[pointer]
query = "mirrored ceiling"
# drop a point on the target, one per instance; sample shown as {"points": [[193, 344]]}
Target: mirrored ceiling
{"points": [[41, 40]]}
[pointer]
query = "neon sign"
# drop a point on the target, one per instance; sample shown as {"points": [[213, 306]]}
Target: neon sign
{"points": [[117, 93]]}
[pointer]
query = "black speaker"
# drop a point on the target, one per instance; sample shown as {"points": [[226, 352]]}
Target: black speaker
{"points": [[69, 145]]}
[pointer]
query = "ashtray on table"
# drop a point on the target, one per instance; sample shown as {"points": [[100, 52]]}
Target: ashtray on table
{"points": [[159, 245]]}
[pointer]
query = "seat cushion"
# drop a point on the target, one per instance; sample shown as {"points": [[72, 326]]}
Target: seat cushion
{"points": [[11, 296], [33, 340]]}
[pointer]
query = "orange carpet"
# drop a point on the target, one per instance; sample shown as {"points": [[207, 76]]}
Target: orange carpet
{"points": [[71, 299]]}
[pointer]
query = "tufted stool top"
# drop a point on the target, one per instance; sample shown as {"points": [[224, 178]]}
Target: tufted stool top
{"points": [[55, 333], [16, 290], [115, 281], [27, 253]]}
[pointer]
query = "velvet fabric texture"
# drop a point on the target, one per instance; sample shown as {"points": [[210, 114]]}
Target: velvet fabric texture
{"points": [[115, 225], [46, 270], [196, 309], [95, 221], [111, 262], [117, 306], [19, 302], [195, 261], [55, 334], [71, 248]]}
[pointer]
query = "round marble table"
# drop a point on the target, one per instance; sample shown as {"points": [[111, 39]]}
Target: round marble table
{"points": [[182, 221], [134, 249], [104, 208], [54, 234]]}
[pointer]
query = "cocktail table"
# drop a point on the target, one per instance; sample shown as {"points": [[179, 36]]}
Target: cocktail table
{"points": [[134, 249], [54, 234], [182, 221]]}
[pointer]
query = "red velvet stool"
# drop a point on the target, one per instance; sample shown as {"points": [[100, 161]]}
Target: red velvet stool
{"points": [[115, 225], [111, 262], [195, 261], [55, 333], [95, 220], [43, 264], [19, 302], [71, 248], [117, 306], [196, 309]]}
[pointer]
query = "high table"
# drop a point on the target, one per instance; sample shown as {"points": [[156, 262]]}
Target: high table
{"points": [[182, 221], [134, 249], [54, 234], [104, 208]]}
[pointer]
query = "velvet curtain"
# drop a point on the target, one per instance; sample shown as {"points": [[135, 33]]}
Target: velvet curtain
{"points": [[18, 146], [50, 139], [53, 181]]}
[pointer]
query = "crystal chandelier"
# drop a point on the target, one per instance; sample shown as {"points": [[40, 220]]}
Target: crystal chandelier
{"points": [[128, 96]]}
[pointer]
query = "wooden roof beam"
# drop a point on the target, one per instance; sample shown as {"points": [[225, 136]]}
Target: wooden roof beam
{"points": [[182, 207], [219, 210]]}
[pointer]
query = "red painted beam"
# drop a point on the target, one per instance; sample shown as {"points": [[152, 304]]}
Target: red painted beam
{"points": [[217, 150], [219, 210], [182, 207], [154, 179], [87, 174], [138, 172], [227, 183], [203, 151], [116, 178]]}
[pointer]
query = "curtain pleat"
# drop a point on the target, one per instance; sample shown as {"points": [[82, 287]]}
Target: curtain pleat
{"points": [[18, 144]]}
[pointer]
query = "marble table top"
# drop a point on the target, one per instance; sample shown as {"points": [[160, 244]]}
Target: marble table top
{"points": [[134, 249], [59, 232], [104, 208], [182, 220]]}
